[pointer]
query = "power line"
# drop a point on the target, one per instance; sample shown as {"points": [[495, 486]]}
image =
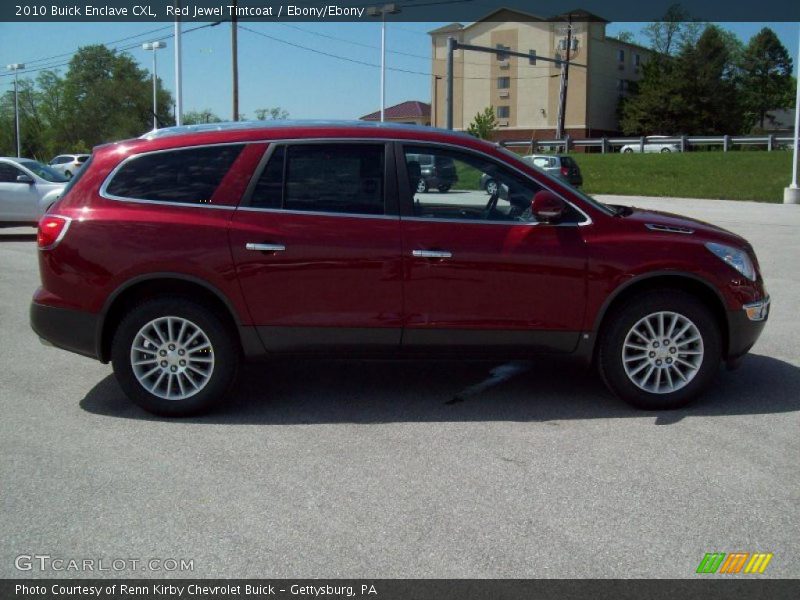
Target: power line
{"points": [[121, 49], [365, 63]]}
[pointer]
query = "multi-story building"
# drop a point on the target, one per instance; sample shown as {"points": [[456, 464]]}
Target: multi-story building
{"points": [[525, 92]]}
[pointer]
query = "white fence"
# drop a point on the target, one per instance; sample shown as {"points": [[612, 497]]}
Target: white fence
{"points": [[683, 142]]}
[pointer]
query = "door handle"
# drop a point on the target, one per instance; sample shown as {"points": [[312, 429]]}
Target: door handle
{"points": [[432, 254], [264, 247]]}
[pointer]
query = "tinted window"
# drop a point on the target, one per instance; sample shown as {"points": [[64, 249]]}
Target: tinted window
{"points": [[8, 173], [342, 178], [44, 171], [268, 192], [189, 175]]}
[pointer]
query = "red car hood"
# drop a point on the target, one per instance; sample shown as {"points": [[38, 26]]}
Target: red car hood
{"points": [[660, 220]]}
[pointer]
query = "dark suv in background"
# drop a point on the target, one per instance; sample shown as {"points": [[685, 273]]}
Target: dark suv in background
{"points": [[435, 172], [178, 255]]}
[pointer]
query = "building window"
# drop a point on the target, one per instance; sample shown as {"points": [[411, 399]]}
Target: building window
{"points": [[503, 112], [637, 60], [532, 59], [502, 55], [503, 83], [621, 56]]}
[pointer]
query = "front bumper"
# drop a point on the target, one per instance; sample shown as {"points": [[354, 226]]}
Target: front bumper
{"points": [[72, 330], [745, 326]]}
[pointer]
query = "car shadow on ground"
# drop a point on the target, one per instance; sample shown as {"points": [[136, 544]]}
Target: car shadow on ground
{"points": [[18, 237], [286, 392]]}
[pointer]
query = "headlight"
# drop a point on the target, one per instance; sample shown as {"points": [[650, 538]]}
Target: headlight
{"points": [[735, 257]]}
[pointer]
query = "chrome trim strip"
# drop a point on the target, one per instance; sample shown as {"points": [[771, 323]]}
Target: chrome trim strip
{"points": [[669, 228], [318, 213]]}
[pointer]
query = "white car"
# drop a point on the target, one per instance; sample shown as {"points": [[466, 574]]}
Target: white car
{"points": [[68, 164], [27, 189], [652, 146]]}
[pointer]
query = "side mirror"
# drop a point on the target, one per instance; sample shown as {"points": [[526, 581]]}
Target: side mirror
{"points": [[24, 179], [547, 207]]}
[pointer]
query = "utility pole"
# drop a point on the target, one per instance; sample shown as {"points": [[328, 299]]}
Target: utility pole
{"points": [[382, 11], [235, 61], [16, 67], [178, 70], [154, 47], [791, 194], [562, 99], [451, 47]]}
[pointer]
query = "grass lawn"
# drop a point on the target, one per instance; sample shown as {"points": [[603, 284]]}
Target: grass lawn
{"points": [[739, 175]]}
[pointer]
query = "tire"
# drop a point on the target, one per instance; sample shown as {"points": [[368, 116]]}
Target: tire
{"points": [[491, 187], [443, 189], [422, 186], [67, 174], [624, 325], [665, 151], [628, 151], [193, 388]]}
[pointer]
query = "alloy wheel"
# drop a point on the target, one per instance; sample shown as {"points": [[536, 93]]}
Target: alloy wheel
{"points": [[662, 352], [172, 358]]}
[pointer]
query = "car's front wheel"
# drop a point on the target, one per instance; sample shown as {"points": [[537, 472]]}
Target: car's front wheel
{"points": [[660, 350], [443, 189], [665, 151], [422, 186], [628, 151], [174, 357], [491, 187]]}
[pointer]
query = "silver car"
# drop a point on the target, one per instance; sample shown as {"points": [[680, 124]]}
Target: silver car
{"points": [[68, 164], [27, 190], [652, 144]]}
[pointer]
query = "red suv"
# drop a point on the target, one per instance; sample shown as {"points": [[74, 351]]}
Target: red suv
{"points": [[179, 255]]}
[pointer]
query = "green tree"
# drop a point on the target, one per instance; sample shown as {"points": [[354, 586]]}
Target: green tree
{"points": [[483, 124], [193, 117], [693, 92], [766, 72], [626, 36], [269, 114]]}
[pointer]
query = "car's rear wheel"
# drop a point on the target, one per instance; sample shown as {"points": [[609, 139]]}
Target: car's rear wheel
{"points": [[660, 350], [174, 357], [491, 187], [443, 189], [628, 150], [422, 186], [68, 174], [665, 151]]}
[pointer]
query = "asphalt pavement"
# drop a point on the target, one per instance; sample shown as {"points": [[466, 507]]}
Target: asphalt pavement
{"points": [[408, 469]]}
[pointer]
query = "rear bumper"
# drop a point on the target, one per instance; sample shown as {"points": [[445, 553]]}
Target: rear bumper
{"points": [[72, 330], [745, 327]]}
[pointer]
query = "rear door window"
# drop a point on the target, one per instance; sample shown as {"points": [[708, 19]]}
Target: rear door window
{"points": [[335, 178], [187, 175]]}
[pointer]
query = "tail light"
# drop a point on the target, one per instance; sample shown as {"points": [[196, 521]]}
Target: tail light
{"points": [[565, 171], [52, 229]]}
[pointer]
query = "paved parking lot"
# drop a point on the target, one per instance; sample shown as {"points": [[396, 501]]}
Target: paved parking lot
{"points": [[411, 469]]}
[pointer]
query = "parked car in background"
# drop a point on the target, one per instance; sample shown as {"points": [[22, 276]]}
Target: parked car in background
{"points": [[178, 255], [558, 165], [435, 172], [652, 146], [68, 164], [27, 189]]}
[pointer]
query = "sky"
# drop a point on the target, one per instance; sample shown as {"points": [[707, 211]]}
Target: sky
{"points": [[309, 84]]}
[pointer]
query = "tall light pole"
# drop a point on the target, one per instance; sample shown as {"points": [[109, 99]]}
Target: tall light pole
{"points": [[154, 47], [178, 71], [791, 194], [16, 67], [382, 11]]}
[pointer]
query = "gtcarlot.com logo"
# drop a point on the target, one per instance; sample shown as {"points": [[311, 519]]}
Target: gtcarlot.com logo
{"points": [[45, 562], [734, 562]]}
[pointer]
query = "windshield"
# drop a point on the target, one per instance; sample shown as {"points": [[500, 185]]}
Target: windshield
{"points": [[582, 195], [43, 171]]}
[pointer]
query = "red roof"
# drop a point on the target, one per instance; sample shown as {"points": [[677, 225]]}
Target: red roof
{"points": [[405, 110]]}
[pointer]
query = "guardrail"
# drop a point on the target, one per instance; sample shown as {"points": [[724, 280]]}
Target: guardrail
{"points": [[682, 142]]}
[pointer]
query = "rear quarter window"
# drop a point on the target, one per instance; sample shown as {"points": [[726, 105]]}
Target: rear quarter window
{"points": [[186, 175]]}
